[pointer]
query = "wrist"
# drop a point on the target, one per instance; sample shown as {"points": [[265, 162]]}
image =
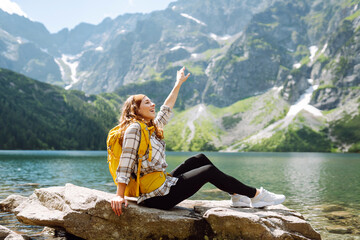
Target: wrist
{"points": [[177, 84]]}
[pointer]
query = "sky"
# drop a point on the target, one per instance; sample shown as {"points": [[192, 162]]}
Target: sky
{"points": [[59, 14]]}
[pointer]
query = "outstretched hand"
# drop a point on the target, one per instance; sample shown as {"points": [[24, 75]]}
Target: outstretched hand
{"points": [[180, 77]]}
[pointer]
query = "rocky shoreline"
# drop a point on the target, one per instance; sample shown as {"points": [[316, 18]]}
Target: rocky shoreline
{"points": [[334, 221], [86, 213]]}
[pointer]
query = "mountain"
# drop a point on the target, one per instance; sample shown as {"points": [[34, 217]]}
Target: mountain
{"points": [[26, 47], [36, 115], [266, 75], [130, 48], [283, 54]]}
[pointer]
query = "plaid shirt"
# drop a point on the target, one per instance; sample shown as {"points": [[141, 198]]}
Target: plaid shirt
{"points": [[129, 159]]}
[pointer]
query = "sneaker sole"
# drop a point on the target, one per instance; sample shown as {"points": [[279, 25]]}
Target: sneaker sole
{"points": [[264, 204], [240, 206]]}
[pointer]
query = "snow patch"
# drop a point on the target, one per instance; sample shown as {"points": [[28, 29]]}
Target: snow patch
{"points": [[313, 110], [12, 8], [209, 67], [313, 50], [297, 65], [62, 70], [198, 111], [278, 89], [303, 103], [217, 38], [44, 50], [324, 48], [20, 40], [194, 55], [176, 48], [72, 63], [100, 49], [11, 46], [88, 44], [173, 8], [192, 18]]}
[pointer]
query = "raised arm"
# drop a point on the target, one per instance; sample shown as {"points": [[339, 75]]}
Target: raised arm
{"points": [[180, 79]]}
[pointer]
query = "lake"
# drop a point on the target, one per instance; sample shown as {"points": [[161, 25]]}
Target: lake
{"points": [[315, 184]]}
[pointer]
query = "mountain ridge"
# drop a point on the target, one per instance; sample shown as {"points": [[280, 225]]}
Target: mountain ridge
{"points": [[277, 45]]}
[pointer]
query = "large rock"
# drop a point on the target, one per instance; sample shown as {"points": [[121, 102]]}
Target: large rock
{"points": [[87, 213], [7, 234], [11, 202]]}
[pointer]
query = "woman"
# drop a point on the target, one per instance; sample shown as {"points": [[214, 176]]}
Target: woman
{"points": [[187, 178]]}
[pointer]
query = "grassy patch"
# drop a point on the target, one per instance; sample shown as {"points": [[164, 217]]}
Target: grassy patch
{"points": [[355, 148], [353, 16], [258, 43], [238, 107], [176, 135], [329, 111], [230, 121], [342, 67], [323, 59], [294, 140], [155, 75], [270, 105], [305, 60], [325, 86], [349, 3], [235, 59], [211, 52], [277, 118], [194, 68], [271, 25], [204, 134], [347, 129]]}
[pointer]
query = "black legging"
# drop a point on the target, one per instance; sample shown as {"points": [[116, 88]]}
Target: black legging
{"points": [[193, 174]]}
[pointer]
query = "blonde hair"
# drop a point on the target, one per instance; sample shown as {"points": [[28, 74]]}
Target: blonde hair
{"points": [[130, 114]]}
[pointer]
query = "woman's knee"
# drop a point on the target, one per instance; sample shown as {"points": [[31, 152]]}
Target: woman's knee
{"points": [[203, 157]]}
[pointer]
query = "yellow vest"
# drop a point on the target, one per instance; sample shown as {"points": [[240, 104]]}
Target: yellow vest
{"points": [[146, 183]]}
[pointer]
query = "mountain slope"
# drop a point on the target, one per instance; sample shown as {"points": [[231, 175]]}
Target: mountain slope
{"points": [[35, 115]]}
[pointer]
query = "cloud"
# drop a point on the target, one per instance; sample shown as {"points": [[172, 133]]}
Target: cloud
{"points": [[131, 2], [11, 8]]}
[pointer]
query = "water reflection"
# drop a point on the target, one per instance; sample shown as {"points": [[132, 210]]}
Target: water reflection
{"points": [[303, 174]]}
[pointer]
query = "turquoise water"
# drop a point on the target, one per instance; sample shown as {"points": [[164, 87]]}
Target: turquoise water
{"points": [[311, 181]]}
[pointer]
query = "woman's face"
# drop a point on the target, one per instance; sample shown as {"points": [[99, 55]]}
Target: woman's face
{"points": [[147, 109]]}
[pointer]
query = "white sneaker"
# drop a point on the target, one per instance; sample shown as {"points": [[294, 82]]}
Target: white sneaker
{"points": [[266, 198], [238, 200]]}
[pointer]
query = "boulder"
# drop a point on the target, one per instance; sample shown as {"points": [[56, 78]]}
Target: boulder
{"points": [[87, 213], [11, 202], [7, 234], [273, 222], [339, 229]]}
